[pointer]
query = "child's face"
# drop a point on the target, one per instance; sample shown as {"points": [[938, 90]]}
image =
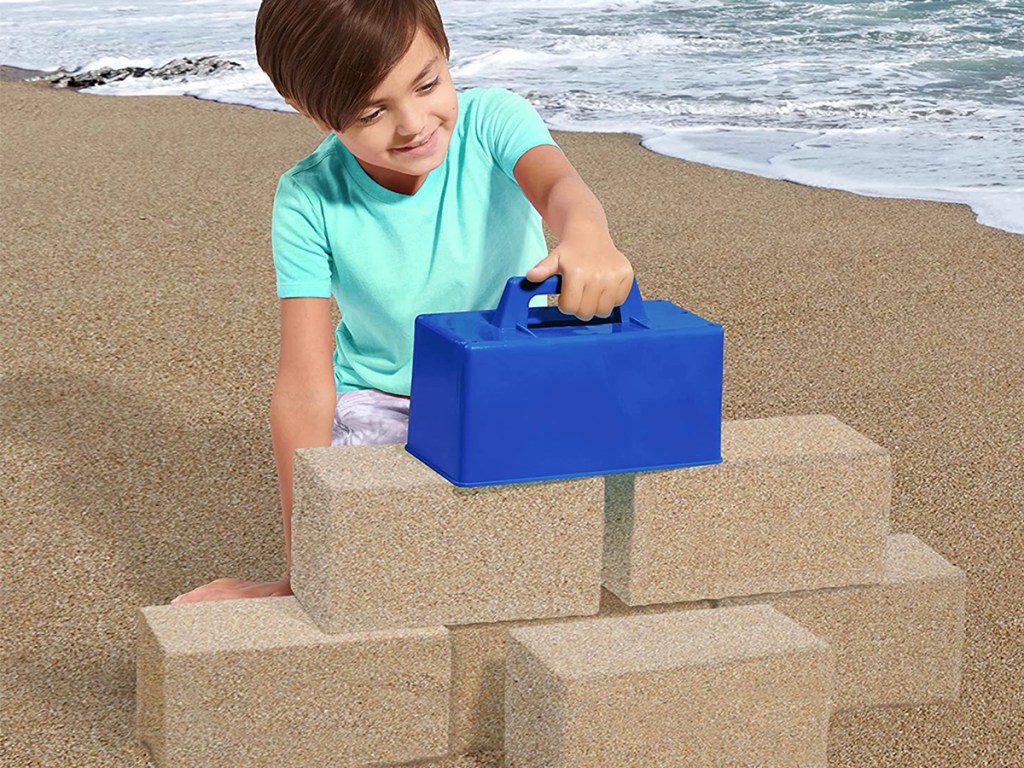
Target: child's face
{"points": [[412, 108]]}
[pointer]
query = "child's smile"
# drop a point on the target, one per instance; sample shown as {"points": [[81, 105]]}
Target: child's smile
{"points": [[421, 149]]}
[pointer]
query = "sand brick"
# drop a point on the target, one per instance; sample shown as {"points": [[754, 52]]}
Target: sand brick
{"points": [[799, 502], [899, 642], [256, 683], [478, 673], [380, 540], [730, 686]]}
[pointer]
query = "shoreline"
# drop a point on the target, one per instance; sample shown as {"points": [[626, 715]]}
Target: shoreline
{"points": [[142, 323], [18, 74]]}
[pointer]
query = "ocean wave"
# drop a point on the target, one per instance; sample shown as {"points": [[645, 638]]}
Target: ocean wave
{"points": [[873, 96]]}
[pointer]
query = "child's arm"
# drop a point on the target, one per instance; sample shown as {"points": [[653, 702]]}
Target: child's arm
{"points": [[302, 406], [596, 276]]}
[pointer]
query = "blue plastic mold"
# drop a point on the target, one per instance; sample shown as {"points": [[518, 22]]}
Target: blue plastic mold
{"points": [[521, 394]]}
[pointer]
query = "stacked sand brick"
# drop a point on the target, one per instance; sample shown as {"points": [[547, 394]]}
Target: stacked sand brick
{"points": [[691, 617]]}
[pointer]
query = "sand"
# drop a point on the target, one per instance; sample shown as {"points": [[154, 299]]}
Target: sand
{"points": [[139, 336]]}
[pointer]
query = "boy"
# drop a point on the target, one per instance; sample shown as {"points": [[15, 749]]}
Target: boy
{"points": [[420, 200]]}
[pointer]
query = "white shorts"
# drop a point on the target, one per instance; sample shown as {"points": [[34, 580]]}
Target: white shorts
{"points": [[369, 416]]}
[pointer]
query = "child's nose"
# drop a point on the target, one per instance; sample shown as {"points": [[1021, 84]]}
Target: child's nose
{"points": [[411, 124]]}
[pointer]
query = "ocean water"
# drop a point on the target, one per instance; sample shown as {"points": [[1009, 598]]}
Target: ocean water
{"points": [[915, 99]]}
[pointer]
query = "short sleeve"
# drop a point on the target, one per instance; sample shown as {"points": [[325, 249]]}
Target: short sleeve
{"points": [[301, 255], [510, 126]]}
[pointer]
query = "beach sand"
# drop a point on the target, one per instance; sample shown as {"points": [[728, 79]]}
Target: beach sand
{"points": [[139, 331]]}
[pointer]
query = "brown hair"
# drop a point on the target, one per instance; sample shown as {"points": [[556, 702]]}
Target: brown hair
{"points": [[329, 56]]}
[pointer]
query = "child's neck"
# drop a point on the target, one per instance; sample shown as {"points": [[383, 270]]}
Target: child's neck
{"points": [[399, 183]]}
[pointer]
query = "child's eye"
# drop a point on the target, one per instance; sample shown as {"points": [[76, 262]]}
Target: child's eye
{"points": [[371, 117]]}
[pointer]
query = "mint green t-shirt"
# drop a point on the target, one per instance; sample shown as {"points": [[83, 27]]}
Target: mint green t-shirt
{"points": [[389, 257]]}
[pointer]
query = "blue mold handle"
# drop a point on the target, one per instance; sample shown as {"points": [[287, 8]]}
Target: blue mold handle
{"points": [[514, 306]]}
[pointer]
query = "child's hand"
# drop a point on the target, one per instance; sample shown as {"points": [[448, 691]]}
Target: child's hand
{"points": [[596, 277]]}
